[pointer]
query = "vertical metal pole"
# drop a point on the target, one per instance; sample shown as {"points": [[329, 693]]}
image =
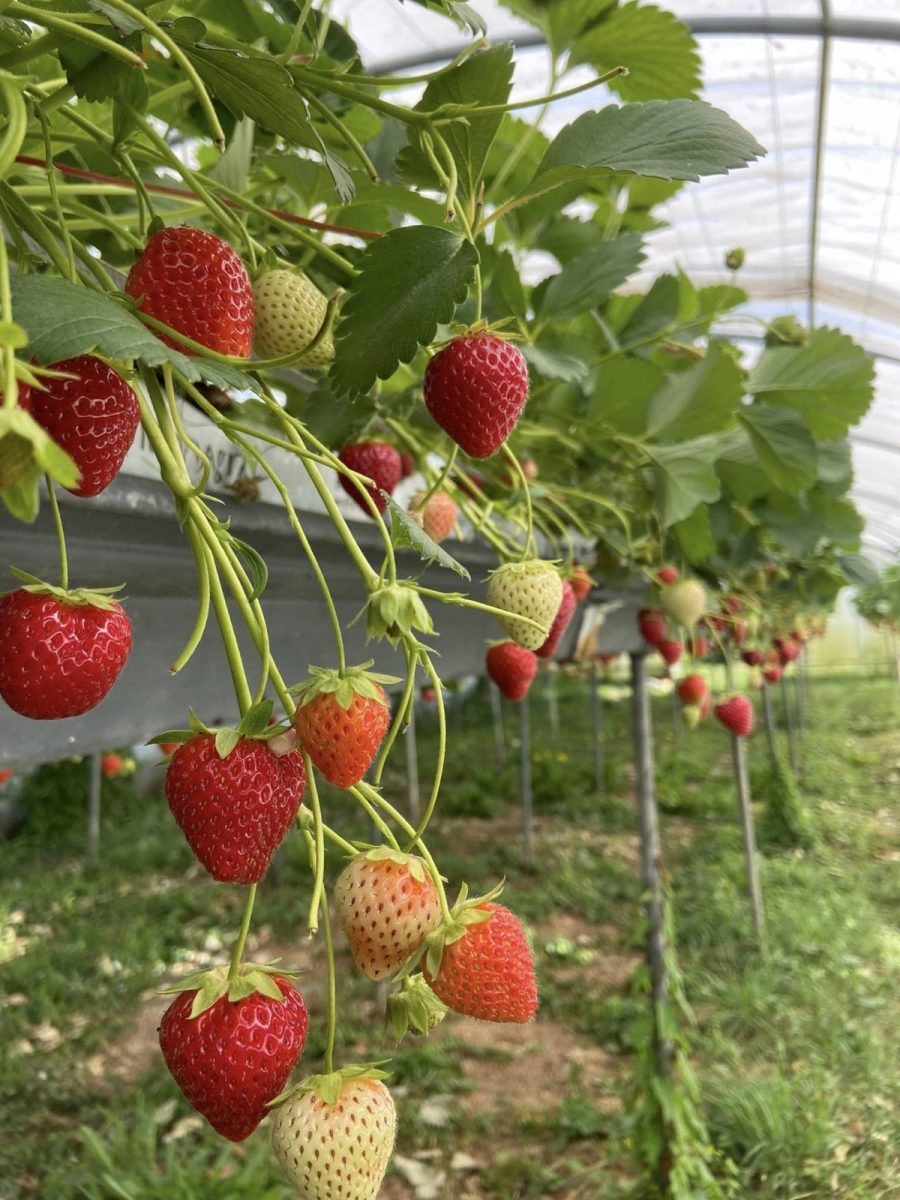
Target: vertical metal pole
{"points": [[597, 726], [769, 721], [499, 734], [525, 778], [552, 701], [414, 803], [93, 815], [676, 714], [789, 726], [651, 853], [745, 806]]}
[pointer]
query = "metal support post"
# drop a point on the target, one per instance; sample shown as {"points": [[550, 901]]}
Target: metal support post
{"points": [[525, 779], [745, 807], [597, 728]]}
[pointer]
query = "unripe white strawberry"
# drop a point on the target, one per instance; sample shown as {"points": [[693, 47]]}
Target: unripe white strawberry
{"points": [[339, 1150], [685, 602], [290, 310], [438, 516], [528, 589]]}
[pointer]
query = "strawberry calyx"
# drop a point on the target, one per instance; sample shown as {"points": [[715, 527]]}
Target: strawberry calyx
{"points": [[256, 724], [394, 611], [76, 597], [465, 912], [212, 985], [329, 1087], [692, 714], [414, 864], [413, 1007], [343, 685]]}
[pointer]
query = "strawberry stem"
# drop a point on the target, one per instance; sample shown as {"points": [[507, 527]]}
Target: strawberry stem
{"points": [[60, 533], [380, 824], [529, 550], [441, 479], [402, 710], [241, 941], [332, 991], [317, 850], [223, 617], [437, 686]]}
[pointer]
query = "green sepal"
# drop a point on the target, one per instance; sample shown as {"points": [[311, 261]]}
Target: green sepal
{"points": [[464, 913], [226, 740], [343, 685], [387, 854], [328, 1087], [96, 597], [211, 986], [394, 611], [256, 719], [171, 735], [12, 336], [414, 1008], [45, 453], [691, 715]]}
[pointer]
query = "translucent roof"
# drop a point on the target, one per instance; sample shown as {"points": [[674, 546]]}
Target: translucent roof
{"points": [[819, 217]]}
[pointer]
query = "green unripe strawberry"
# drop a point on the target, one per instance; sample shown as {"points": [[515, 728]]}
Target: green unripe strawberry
{"points": [[685, 602], [290, 310], [529, 589]]}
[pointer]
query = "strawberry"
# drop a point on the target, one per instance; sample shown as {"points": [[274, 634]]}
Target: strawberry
{"points": [[652, 625], [407, 465], [168, 747], [476, 388], [334, 1135], [787, 648], [671, 650], [773, 672], [93, 416], [732, 605], [387, 905], [60, 652], [699, 647], [438, 516], [231, 1057], [717, 622], [512, 668], [692, 689], [111, 765], [580, 582], [753, 658], [341, 720], [739, 631], [380, 462], [290, 311], [428, 694], [485, 969], [560, 622], [234, 809], [736, 714], [684, 602], [527, 589], [799, 634], [4, 775], [667, 575], [606, 659], [194, 282]]}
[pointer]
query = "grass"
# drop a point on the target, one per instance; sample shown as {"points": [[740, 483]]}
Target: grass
{"points": [[793, 1051]]}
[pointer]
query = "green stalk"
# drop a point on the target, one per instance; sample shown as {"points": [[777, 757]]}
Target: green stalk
{"points": [[318, 891], [238, 950], [226, 627], [442, 748], [517, 468], [402, 709], [60, 533], [70, 29], [375, 816]]}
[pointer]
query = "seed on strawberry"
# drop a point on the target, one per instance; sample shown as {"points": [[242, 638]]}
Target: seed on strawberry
{"points": [[652, 625], [671, 650], [60, 652], [377, 460], [475, 389], [736, 714], [666, 575], [341, 720], [530, 589], [235, 1056], [692, 689], [234, 811], [438, 515], [93, 416], [387, 905], [194, 282], [487, 971], [290, 311], [512, 668], [560, 622], [684, 602], [336, 1146], [581, 583]]}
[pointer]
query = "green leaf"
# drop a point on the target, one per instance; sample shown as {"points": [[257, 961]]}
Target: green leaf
{"points": [[666, 139], [829, 381], [654, 312], [583, 283], [481, 80], [695, 536], [255, 564], [64, 319], [684, 478], [507, 282], [233, 168], [859, 570], [96, 76], [22, 498], [121, 22], [835, 464], [554, 364], [226, 740], [623, 388], [700, 400], [410, 281], [256, 719], [463, 14], [783, 444], [738, 467], [659, 51], [405, 532]]}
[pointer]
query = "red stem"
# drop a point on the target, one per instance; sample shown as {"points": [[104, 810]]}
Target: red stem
{"points": [[162, 190]]}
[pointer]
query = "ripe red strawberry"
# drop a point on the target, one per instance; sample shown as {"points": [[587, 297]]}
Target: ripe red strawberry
{"points": [[736, 714], [753, 658], [560, 622], [387, 905], [168, 747], [437, 517], [717, 622], [377, 460], [671, 650], [652, 625], [732, 605], [235, 1056], [60, 652], [773, 672], [428, 694], [111, 765], [194, 282], [684, 602], [512, 668], [93, 416], [739, 631], [799, 634], [530, 589], [581, 583], [341, 721], [667, 575], [606, 659], [407, 465], [787, 648], [488, 971], [234, 811], [699, 647], [334, 1139], [4, 775], [692, 689], [476, 388]]}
